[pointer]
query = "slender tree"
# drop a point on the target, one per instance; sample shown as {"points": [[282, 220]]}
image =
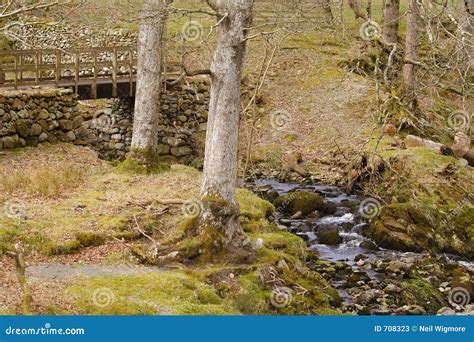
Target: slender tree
{"points": [[219, 218], [411, 51], [147, 101], [391, 13], [465, 35], [327, 9]]}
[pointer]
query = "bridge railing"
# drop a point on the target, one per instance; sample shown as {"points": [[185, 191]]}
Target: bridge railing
{"points": [[73, 68]]}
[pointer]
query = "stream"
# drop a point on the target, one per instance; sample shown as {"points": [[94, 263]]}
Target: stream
{"points": [[364, 274]]}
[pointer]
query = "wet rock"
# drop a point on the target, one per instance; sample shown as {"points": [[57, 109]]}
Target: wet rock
{"points": [[360, 257], [271, 196], [411, 310], [306, 202], [329, 208], [297, 215], [392, 288], [355, 278], [366, 297], [329, 235], [369, 245], [446, 312]]}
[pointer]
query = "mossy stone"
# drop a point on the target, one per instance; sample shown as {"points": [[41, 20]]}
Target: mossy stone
{"points": [[299, 201]]}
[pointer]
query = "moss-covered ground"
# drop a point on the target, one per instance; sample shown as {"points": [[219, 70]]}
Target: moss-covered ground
{"points": [[98, 219]]}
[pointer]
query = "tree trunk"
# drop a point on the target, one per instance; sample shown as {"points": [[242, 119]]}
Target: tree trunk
{"points": [[327, 9], [464, 36], [219, 219], [411, 51], [391, 14], [147, 102]]}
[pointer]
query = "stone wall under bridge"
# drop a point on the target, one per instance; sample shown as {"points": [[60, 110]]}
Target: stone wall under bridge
{"points": [[184, 109]]}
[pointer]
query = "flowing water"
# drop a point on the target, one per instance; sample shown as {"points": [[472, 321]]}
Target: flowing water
{"points": [[350, 224]]}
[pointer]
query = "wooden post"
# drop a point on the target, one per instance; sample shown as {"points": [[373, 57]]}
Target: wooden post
{"points": [[57, 76], [114, 73], [37, 63], [20, 265], [94, 85], [16, 71], [76, 73], [21, 66]]}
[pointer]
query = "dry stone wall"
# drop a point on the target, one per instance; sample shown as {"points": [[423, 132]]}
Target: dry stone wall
{"points": [[30, 117], [184, 110]]}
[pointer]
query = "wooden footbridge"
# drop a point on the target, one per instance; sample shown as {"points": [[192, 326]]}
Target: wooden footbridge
{"points": [[92, 73]]}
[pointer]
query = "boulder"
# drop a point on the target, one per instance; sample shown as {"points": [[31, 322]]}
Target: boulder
{"points": [[329, 208], [329, 235], [461, 145], [469, 156], [306, 202]]}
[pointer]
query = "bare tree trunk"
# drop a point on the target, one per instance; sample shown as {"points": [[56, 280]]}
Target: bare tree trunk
{"points": [[411, 51], [465, 36], [327, 9], [219, 219], [147, 102], [391, 15]]}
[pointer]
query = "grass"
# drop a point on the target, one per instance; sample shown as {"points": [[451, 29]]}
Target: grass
{"points": [[107, 205], [45, 181], [159, 293]]}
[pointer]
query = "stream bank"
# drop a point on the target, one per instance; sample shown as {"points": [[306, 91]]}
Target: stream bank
{"points": [[370, 279]]}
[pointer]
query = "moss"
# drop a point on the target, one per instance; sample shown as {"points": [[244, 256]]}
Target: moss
{"points": [[68, 247], [170, 293], [284, 242], [142, 163], [252, 206], [87, 239], [293, 202], [252, 299], [428, 209], [421, 292]]}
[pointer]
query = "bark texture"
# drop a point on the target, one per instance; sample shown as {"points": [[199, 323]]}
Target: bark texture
{"points": [[411, 50], [220, 212], [465, 35], [391, 15], [147, 102], [326, 4]]}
